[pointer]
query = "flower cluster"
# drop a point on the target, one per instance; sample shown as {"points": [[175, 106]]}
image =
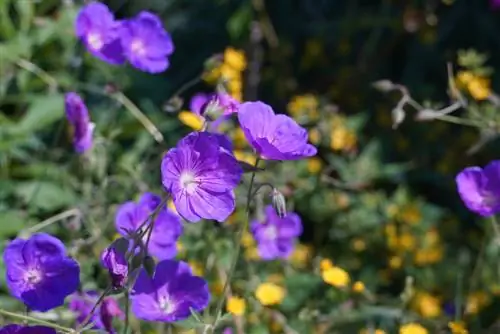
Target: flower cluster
{"points": [[141, 40]]}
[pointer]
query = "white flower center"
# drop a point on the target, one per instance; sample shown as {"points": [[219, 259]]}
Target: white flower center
{"points": [[95, 40], [271, 232], [188, 182], [137, 47], [167, 305], [32, 276]]}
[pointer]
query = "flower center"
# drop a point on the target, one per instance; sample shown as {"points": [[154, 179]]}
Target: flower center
{"points": [[188, 182], [95, 40], [137, 47], [32, 277], [167, 305], [271, 232]]}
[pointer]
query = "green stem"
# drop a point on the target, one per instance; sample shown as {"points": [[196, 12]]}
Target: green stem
{"points": [[458, 120], [237, 251], [36, 321], [127, 315]]}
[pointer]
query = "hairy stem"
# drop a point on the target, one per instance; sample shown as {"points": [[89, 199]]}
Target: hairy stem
{"points": [[36, 321]]}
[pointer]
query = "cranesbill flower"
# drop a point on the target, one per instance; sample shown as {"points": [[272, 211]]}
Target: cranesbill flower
{"points": [[19, 329], [274, 137], [222, 101], [78, 116], [96, 26], [170, 294], [117, 265], [167, 228], [39, 273], [83, 303], [276, 236], [201, 174], [479, 188], [146, 43]]}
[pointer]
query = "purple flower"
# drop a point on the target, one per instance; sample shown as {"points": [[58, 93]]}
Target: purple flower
{"points": [[274, 137], [169, 295], [117, 265], [480, 188], [201, 174], [225, 102], [166, 230], [495, 4], [102, 318], [146, 43], [19, 329], [276, 236], [96, 26], [39, 273], [78, 116]]}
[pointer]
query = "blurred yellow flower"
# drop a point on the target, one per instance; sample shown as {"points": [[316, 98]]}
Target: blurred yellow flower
{"points": [[247, 239], [191, 119], [197, 267], [342, 139], [217, 287], [368, 331], [427, 305], [303, 106], [239, 139], [269, 294], [410, 214], [358, 287], [428, 256], [412, 328], [395, 262], [407, 241], [358, 245], [314, 165], [464, 77], [325, 264], [336, 276], [301, 255], [171, 205], [479, 88], [458, 327], [476, 301], [235, 58], [249, 158], [181, 250], [236, 305], [314, 136], [276, 327], [251, 253]]}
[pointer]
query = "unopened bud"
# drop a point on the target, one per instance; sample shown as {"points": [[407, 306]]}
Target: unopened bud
{"points": [[137, 260], [279, 203], [213, 62], [121, 245], [398, 116], [213, 109], [174, 104], [383, 85], [149, 265]]}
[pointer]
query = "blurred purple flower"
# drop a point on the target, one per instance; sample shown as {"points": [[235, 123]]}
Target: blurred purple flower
{"points": [[117, 265], [227, 104], [201, 174], [21, 329], [166, 230], [170, 294], [480, 188], [274, 137], [495, 4], [78, 115], [39, 273], [146, 43], [96, 26], [276, 236], [227, 330], [102, 318]]}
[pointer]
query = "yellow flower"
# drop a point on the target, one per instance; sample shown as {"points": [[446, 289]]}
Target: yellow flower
{"points": [[191, 119], [197, 268], [410, 214], [239, 138], [358, 245], [247, 239], [479, 88], [171, 205], [407, 241], [301, 255], [336, 276], [217, 287], [457, 327], [325, 264], [476, 301], [235, 58], [229, 74], [412, 328], [314, 136], [116, 236], [314, 165], [303, 105], [245, 157], [464, 77], [236, 306], [427, 305], [358, 287], [269, 294], [395, 262], [251, 253], [181, 250], [342, 139]]}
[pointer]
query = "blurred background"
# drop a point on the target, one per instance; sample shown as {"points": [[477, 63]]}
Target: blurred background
{"points": [[379, 201]]}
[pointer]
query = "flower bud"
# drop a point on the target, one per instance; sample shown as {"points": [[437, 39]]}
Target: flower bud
{"points": [[114, 260], [279, 203], [149, 265]]}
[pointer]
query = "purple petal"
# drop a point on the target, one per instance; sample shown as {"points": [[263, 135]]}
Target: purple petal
{"points": [[471, 183]]}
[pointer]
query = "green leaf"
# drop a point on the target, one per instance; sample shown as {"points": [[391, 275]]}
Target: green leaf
{"points": [[300, 287], [189, 323], [11, 222], [43, 111], [239, 22], [45, 195], [25, 10]]}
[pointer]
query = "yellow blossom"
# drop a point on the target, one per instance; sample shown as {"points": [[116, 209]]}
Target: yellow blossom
{"points": [[325, 264], [239, 138], [252, 253], [476, 301], [191, 119], [342, 200], [427, 305], [303, 106], [245, 157], [181, 250], [247, 239], [171, 205], [235, 58], [275, 278], [457, 327], [301, 255], [464, 77], [229, 74], [395, 262], [336, 276], [412, 328], [407, 241], [217, 287], [197, 267], [428, 255], [342, 139], [314, 136], [410, 214], [314, 165], [236, 305], [479, 88], [358, 287], [269, 294], [358, 245]]}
